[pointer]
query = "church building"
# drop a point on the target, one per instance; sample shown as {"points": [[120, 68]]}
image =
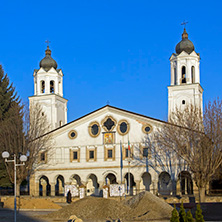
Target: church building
{"points": [[109, 145]]}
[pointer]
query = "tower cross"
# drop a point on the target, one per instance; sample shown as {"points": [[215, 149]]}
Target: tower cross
{"points": [[184, 23], [47, 42]]}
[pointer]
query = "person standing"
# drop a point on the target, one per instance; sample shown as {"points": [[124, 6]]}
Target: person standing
{"points": [[69, 197]]}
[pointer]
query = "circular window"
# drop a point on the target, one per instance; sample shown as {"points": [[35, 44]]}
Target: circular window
{"points": [[94, 129], [123, 127], [147, 128], [72, 134]]}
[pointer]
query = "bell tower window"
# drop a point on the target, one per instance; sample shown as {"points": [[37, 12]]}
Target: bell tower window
{"points": [[193, 74], [183, 74], [175, 76], [52, 87], [42, 86]]}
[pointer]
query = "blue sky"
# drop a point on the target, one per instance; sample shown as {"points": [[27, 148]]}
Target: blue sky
{"points": [[110, 50]]}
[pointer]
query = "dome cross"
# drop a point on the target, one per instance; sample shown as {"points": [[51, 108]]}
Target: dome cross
{"points": [[184, 23], [47, 42]]}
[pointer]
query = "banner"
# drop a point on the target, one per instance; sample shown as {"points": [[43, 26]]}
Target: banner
{"points": [[117, 190]]}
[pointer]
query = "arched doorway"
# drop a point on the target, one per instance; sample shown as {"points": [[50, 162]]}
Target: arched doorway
{"points": [[110, 179], [130, 183], [44, 186], [59, 186], [146, 179], [92, 186], [75, 180], [186, 183], [165, 184]]}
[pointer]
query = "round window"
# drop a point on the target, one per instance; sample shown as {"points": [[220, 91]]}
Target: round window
{"points": [[72, 134], [94, 129], [123, 127], [147, 128]]}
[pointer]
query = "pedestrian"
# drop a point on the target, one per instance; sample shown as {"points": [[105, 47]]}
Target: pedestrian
{"points": [[69, 197]]}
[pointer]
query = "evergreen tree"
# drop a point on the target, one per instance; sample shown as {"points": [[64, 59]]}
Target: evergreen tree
{"points": [[182, 213], [8, 97], [199, 215], [174, 216], [189, 217], [8, 101]]}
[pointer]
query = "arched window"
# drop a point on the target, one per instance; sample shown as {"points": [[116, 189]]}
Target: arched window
{"points": [[52, 87], [193, 74], [175, 76], [42, 86], [183, 74]]}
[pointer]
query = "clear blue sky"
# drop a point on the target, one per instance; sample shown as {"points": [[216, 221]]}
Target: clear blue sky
{"points": [[116, 50]]}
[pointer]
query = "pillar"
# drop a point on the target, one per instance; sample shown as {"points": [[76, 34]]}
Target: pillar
{"points": [[53, 189], [178, 187], [33, 186], [44, 188], [154, 187], [60, 187], [137, 189]]}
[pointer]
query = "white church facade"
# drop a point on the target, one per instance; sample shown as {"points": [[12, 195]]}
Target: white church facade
{"points": [[109, 145]]}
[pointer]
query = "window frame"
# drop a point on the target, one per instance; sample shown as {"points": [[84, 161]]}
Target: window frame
{"points": [[118, 127], [45, 157], [106, 149], [144, 127], [90, 129], [70, 133], [88, 150], [72, 150]]}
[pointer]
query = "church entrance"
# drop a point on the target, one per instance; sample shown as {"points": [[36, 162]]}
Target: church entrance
{"points": [[110, 179], [44, 186], [186, 183], [59, 186], [146, 178], [165, 184], [92, 186], [130, 183]]}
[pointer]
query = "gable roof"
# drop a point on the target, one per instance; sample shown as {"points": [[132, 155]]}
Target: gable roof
{"points": [[106, 106]]}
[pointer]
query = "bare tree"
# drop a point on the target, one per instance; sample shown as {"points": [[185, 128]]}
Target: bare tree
{"points": [[160, 160], [196, 138], [26, 135]]}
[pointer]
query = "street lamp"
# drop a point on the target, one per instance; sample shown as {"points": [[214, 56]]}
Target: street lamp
{"points": [[23, 159]]}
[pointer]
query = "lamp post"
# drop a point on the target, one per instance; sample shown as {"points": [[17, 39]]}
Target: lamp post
{"points": [[23, 159]]}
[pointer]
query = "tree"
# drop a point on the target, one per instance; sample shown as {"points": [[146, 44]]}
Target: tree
{"points": [[189, 216], [198, 214], [196, 137], [22, 131], [26, 137], [160, 160], [175, 215], [182, 213], [8, 100]]}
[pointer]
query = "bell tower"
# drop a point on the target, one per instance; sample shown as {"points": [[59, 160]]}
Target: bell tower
{"points": [[48, 91], [185, 85]]}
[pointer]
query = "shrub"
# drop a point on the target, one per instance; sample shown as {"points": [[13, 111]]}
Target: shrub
{"points": [[189, 217], [174, 216], [182, 213], [198, 214]]}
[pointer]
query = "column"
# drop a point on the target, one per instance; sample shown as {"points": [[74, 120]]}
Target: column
{"points": [[53, 189], [137, 190]]}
